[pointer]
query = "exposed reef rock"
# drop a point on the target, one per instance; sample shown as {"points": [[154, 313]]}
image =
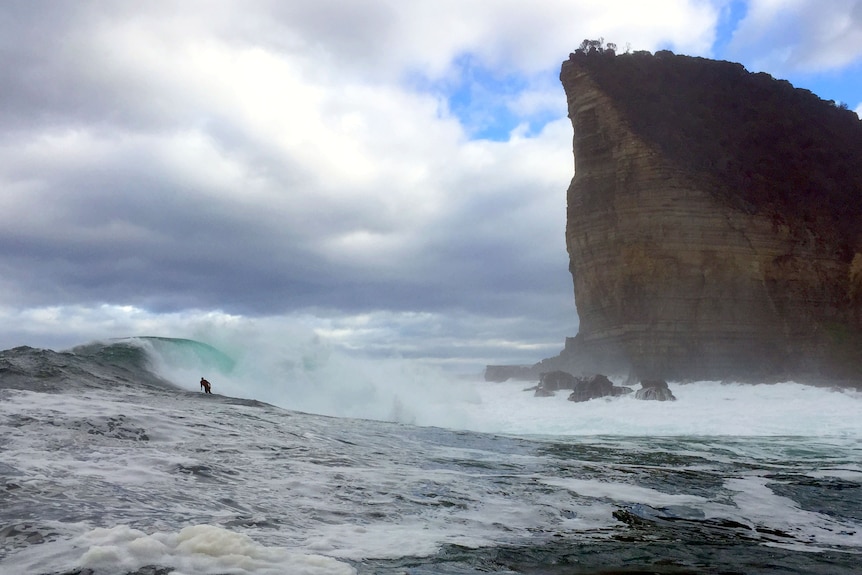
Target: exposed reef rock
{"points": [[713, 225], [594, 387], [583, 388], [655, 390]]}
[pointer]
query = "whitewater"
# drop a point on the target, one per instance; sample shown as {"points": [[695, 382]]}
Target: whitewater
{"points": [[312, 460]]}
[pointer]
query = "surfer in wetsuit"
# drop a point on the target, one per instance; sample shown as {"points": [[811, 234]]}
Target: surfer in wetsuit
{"points": [[205, 385]]}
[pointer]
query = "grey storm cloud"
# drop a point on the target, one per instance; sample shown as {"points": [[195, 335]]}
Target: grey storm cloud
{"points": [[134, 185]]}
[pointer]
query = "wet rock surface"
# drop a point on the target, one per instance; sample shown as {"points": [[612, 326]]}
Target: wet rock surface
{"points": [[656, 390]]}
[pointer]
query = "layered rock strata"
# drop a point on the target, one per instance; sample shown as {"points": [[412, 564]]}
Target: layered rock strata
{"points": [[681, 273]]}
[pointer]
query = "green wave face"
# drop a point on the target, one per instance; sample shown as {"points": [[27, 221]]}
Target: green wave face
{"points": [[180, 351], [148, 355]]}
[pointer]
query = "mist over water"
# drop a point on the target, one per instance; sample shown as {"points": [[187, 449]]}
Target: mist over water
{"points": [[303, 372]]}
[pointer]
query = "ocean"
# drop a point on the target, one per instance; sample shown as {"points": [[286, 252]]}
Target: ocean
{"points": [[310, 460]]}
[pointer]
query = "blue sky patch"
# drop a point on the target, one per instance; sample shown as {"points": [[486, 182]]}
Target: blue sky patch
{"points": [[731, 15], [484, 100]]}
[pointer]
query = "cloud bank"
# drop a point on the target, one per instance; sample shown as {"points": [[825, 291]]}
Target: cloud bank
{"points": [[390, 174]]}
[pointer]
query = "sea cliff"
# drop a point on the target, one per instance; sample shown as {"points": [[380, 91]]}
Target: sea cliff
{"points": [[713, 224]]}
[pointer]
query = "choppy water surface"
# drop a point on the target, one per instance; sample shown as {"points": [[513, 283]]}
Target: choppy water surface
{"points": [[104, 472]]}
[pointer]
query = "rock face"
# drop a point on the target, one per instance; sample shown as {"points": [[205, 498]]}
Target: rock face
{"points": [[500, 373], [594, 387], [688, 260], [583, 388], [557, 380], [655, 390]]}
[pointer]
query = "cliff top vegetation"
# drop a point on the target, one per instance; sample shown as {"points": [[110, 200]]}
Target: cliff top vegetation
{"points": [[770, 148]]}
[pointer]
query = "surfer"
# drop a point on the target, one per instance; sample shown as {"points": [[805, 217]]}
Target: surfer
{"points": [[205, 385]]}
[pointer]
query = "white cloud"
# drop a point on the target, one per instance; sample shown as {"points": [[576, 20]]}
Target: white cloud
{"points": [[799, 35]]}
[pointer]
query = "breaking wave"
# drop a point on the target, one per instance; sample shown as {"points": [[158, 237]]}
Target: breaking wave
{"points": [[306, 374]]}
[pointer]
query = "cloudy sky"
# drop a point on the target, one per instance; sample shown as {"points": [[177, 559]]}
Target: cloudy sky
{"points": [[389, 175]]}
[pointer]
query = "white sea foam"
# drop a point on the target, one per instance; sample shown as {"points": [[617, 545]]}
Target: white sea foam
{"points": [[704, 408], [623, 492], [196, 549], [757, 503]]}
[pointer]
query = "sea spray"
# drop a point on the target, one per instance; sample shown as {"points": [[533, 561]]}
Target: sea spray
{"points": [[302, 371]]}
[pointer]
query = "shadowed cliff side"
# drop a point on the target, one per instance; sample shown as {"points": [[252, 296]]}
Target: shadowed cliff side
{"points": [[713, 222]]}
